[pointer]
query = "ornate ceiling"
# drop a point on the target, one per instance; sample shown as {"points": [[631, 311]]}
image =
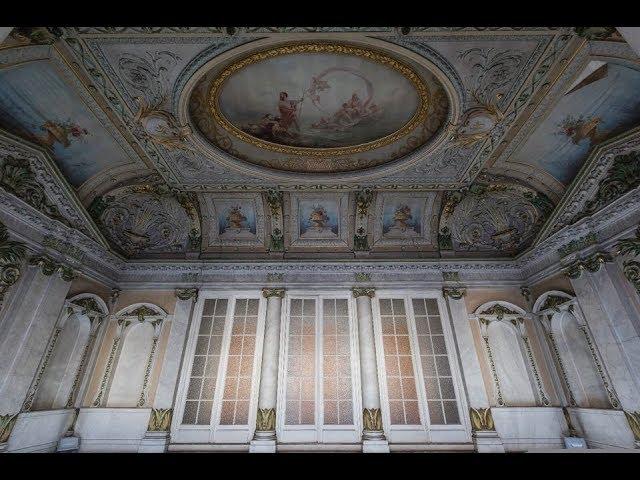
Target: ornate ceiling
{"points": [[271, 143]]}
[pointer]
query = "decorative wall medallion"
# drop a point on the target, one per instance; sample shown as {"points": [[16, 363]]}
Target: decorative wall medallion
{"points": [[147, 219], [496, 217]]}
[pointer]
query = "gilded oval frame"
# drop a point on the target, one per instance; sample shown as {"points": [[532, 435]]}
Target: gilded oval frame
{"points": [[407, 72]]}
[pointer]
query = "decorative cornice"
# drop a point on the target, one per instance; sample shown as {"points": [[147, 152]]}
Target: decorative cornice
{"points": [[187, 293], [456, 293], [273, 292], [481, 419], [363, 292], [160, 419]]}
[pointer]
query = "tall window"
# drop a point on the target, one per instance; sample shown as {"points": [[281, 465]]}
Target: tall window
{"points": [[419, 390], [319, 378], [204, 372], [436, 371], [220, 392]]}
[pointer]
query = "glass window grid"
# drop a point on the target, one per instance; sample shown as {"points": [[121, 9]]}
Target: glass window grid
{"points": [[437, 374], [301, 363], [240, 360], [337, 382], [206, 359], [399, 370]]}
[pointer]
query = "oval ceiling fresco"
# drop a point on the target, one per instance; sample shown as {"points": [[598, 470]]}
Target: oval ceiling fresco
{"points": [[318, 107]]}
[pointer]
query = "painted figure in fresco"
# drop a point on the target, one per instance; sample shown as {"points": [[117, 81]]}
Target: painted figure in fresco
{"points": [[288, 112], [580, 128], [61, 132]]}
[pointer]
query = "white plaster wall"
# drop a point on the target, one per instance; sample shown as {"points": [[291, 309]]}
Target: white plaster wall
{"points": [[111, 429], [129, 375], [526, 428], [603, 428], [39, 431]]}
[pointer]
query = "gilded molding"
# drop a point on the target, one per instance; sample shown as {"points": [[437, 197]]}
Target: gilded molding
{"points": [[147, 373], [418, 118], [160, 420], [7, 422], [372, 419], [187, 293], [481, 419], [363, 292], [613, 399], [49, 266], [499, 311], [567, 418], [362, 277], [266, 420], [28, 403], [563, 371], [273, 292], [455, 293]]}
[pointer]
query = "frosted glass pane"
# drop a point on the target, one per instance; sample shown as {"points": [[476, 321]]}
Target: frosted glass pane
{"points": [[329, 307], [309, 308], [412, 415], [422, 326], [215, 345], [428, 366], [442, 362], [190, 412], [432, 306], [193, 393], [221, 307], [451, 412], [419, 307], [446, 388], [438, 344], [209, 306], [204, 413], [205, 326], [342, 307], [218, 326], [241, 308], [385, 306], [202, 345], [252, 307], [436, 325], [296, 307], [435, 412], [198, 366]]}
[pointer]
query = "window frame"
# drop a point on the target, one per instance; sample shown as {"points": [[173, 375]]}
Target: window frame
{"points": [[425, 432], [214, 433], [319, 433]]}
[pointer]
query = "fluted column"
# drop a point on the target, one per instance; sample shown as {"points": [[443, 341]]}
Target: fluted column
{"points": [[372, 433], [265, 434]]}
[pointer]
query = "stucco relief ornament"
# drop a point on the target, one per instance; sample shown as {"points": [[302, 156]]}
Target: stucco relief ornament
{"points": [[162, 127], [496, 217], [477, 124], [11, 255]]}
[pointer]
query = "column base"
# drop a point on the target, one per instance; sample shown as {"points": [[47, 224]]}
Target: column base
{"points": [[68, 444], [488, 441], [262, 446], [154, 442], [375, 446], [574, 442]]}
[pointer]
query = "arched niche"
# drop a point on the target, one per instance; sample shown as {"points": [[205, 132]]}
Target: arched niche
{"points": [[69, 347], [138, 329], [574, 359], [509, 354]]}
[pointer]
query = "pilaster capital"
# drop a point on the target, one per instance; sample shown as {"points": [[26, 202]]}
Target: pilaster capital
{"points": [[49, 266], [187, 293], [7, 423], [273, 292], [363, 292], [455, 293], [592, 263], [481, 419]]}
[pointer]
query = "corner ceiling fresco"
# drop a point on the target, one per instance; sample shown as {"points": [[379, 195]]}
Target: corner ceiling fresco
{"points": [[187, 143]]}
